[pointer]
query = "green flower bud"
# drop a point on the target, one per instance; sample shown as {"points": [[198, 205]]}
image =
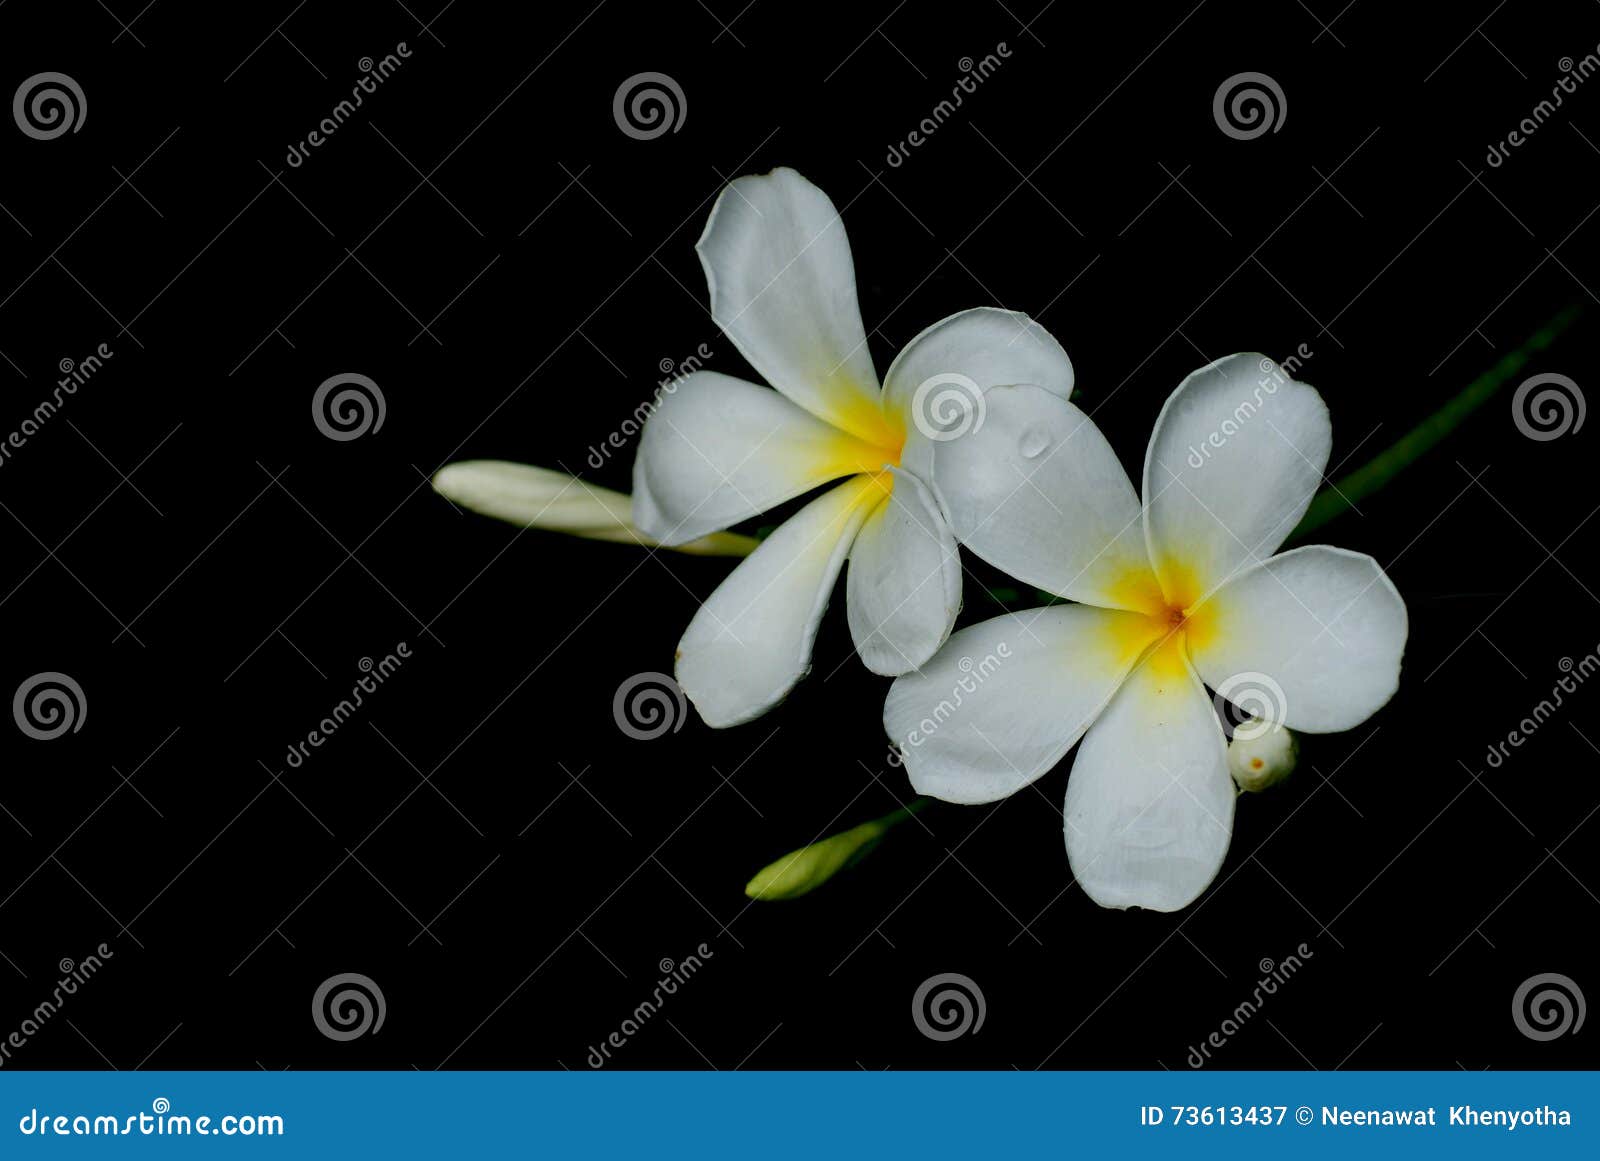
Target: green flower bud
{"points": [[803, 871]]}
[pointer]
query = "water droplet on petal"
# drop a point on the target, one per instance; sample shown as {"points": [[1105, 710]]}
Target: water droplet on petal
{"points": [[1034, 439]]}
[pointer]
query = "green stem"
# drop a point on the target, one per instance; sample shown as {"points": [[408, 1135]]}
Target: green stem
{"points": [[1377, 472]]}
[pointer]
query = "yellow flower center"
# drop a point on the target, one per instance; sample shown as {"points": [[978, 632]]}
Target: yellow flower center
{"points": [[1175, 621]]}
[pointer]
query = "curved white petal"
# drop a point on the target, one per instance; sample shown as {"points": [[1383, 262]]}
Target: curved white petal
{"points": [[1237, 453], [751, 640], [783, 288], [1149, 809], [1035, 489], [954, 361], [1325, 626], [717, 450], [903, 588], [1001, 703]]}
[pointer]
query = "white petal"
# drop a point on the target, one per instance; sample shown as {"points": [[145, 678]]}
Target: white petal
{"points": [[1237, 453], [1324, 627], [718, 450], [1001, 703], [1034, 488], [904, 585], [1150, 803], [783, 288], [958, 358], [751, 640]]}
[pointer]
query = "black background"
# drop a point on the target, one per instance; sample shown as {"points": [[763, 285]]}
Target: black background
{"points": [[511, 269]]}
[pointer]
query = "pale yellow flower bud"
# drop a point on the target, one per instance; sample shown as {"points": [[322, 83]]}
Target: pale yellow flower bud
{"points": [[1261, 754], [542, 498]]}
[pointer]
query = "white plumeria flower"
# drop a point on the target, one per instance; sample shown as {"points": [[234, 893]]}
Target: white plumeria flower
{"points": [[1181, 589], [719, 450]]}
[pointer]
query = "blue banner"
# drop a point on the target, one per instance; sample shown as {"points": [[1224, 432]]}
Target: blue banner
{"points": [[815, 1116]]}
